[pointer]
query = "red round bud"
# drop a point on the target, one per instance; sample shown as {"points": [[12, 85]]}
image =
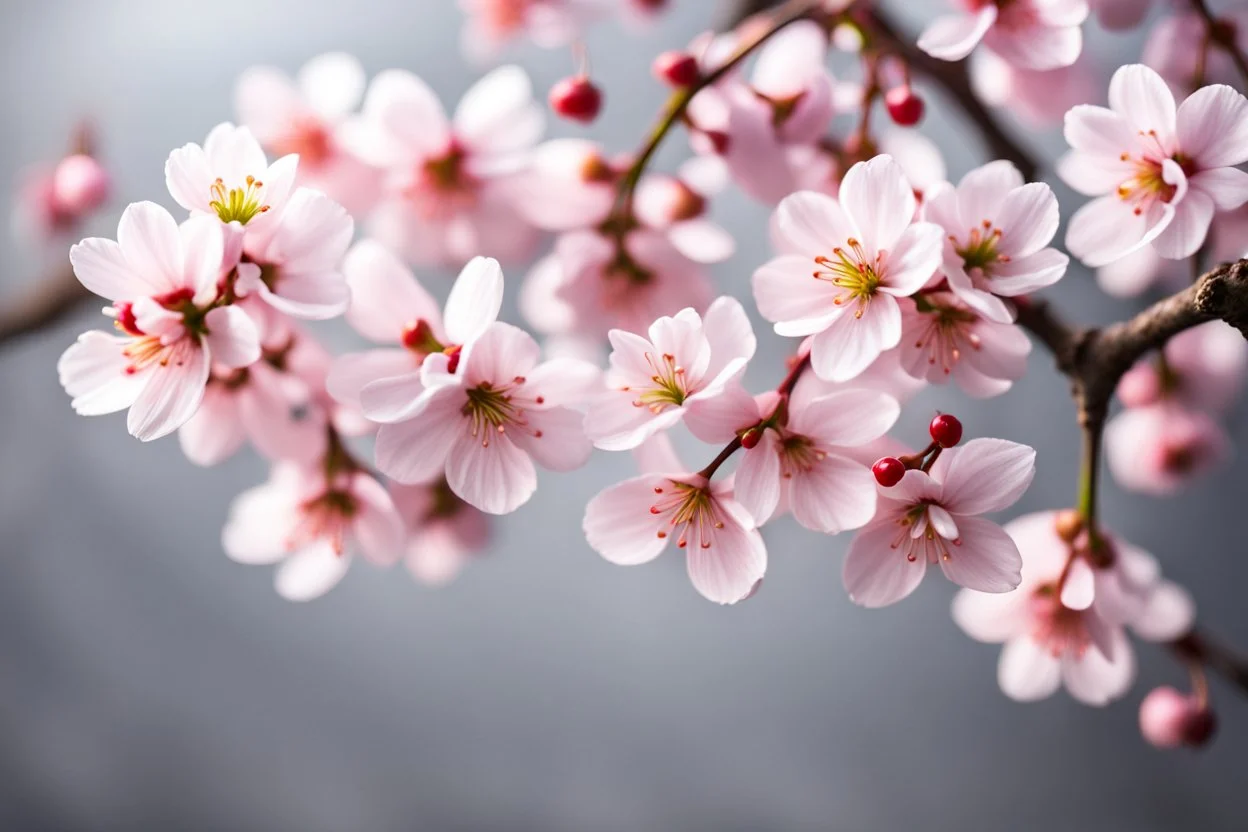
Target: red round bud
{"points": [[888, 471], [946, 430], [751, 438], [680, 69], [1169, 719], [576, 98], [719, 141], [904, 107]]}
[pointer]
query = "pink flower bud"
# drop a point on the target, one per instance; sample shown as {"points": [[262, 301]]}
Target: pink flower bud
{"points": [[80, 185], [1169, 719], [1139, 386], [576, 98], [904, 107], [680, 69]]}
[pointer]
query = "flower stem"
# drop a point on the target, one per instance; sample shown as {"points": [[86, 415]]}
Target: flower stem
{"points": [[1222, 35], [1089, 478]]}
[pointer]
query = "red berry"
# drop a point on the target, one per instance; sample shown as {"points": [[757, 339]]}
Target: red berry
{"points": [[888, 471], [719, 141], [680, 69], [576, 98], [946, 430], [751, 438], [904, 107]]}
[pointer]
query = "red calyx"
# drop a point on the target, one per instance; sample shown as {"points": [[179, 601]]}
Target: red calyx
{"points": [[888, 471], [904, 107], [680, 69], [576, 98], [126, 320], [946, 430]]}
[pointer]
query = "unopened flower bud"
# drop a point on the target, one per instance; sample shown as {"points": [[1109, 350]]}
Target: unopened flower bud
{"points": [[904, 107], [680, 69], [1068, 524], [751, 438], [946, 430], [888, 471], [79, 185], [1169, 719], [576, 98]]}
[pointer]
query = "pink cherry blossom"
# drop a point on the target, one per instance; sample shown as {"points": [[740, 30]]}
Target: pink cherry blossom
{"points": [[1204, 368], [568, 185], [1048, 643], [312, 528], [1159, 173], [677, 206], [997, 234], [632, 522], [886, 375], [1159, 448], [448, 186], [1034, 34], [486, 423], [311, 116], [844, 264], [443, 532], [299, 256], [803, 462], [1040, 98], [162, 279], [390, 307], [592, 283], [491, 24], [943, 339], [933, 518], [653, 382], [1178, 48], [230, 178]]}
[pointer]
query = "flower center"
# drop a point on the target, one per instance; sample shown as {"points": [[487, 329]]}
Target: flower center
{"points": [[918, 538], [327, 517], [980, 249], [238, 204], [668, 385], [798, 453], [1057, 627], [1148, 184], [692, 513], [944, 332], [309, 139], [857, 276], [493, 410]]}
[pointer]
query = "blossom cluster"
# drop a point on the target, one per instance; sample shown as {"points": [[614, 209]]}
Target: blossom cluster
{"points": [[889, 277]]}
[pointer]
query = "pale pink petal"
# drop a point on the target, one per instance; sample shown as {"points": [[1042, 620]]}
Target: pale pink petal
{"points": [[915, 256], [616, 425], [789, 59], [279, 417], [260, 523], [788, 294], [233, 154], [489, 473], [1139, 94], [1079, 590], [850, 344], [619, 525], [1101, 133], [172, 394], [984, 475], [1029, 217], [415, 451], [310, 297], [984, 558], [189, 178], [152, 246], [386, 298], [100, 265], [846, 417], [657, 456], [915, 487], [1187, 230], [474, 300], [702, 240], [989, 617], [876, 573], [717, 419], [215, 432], [729, 334], [1095, 680], [332, 84], [728, 570], [498, 114], [1027, 670], [501, 353], [409, 114], [1168, 615], [1030, 273], [982, 193], [1119, 15], [1106, 229], [394, 398], [565, 381], [377, 526], [203, 256], [232, 338], [351, 372], [1213, 126], [835, 494], [267, 103], [93, 372], [1037, 47], [311, 572], [811, 224], [951, 38], [756, 484], [1093, 175], [1228, 187], [880, 200], [561, 445]]}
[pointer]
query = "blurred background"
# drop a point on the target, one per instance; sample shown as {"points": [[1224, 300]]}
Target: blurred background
{"points": [[147, 682]]}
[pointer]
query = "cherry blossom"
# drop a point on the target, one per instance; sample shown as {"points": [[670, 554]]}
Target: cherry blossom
{"points": [[1040, 98], [997, 233], [390, 307], [1158, 173], [230, 178], [1178, 48], [592, 283], [162, 280], [488, 421], [864, 252], [803, 461], [448, 184], [653, 382], [1034, 34], [632, 522], [312, 527], [1159, 448], [443, 532], [1203, 368], [933, 518], [491, 24], [677, 206], [568, 185], [311, 116], [943, 339], [1049, 643]]}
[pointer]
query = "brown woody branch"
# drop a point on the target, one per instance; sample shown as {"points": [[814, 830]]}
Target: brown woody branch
{"points": [[53, 297]]}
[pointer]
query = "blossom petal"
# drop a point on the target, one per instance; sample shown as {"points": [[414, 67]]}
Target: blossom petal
{"points": [[1186, 232], [377, 526], [952, 37], [876, 573], [1096, 680], [756, 484], [1079, 589], [1168, 615], [1029, 216], [849, 344], [332, 84], [847, 417], [215, 432], [490, 473], [386, 297], [310, 573], [100, 265], [232, 338], [984, 558], [984, 475], [619, 525], [498, 114], [1138, 94], [415, 451], [353, 371], [788, 294], [834, 494], [1213, 126], [811, 224], [728, 570], [474, 300], [152, 246], [561, 445], [880, 200], [260, 523], [992, 617], [172, 394], [1027, 671], [93, 372]]}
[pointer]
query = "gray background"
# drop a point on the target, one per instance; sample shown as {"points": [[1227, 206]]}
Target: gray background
{"points": [[146, 682]]}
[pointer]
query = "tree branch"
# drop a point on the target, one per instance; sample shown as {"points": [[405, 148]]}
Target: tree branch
{"points": [[44, 303]]}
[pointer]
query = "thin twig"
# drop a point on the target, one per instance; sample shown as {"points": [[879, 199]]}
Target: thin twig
{"points": [[44, 303]]}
